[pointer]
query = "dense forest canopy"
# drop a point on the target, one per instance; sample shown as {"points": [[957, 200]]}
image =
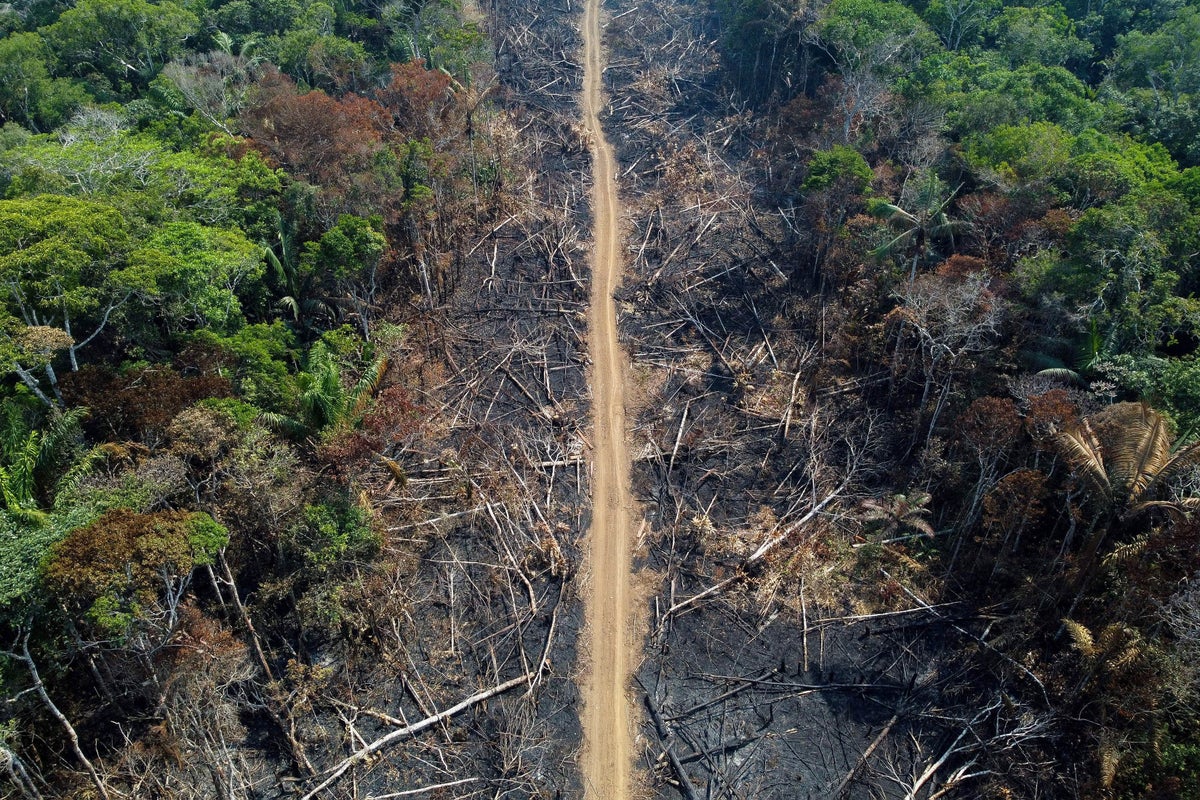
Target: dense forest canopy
{"points": [[224, 225]]}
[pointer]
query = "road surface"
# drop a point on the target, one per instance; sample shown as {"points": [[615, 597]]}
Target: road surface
{"points": [[607, 715]]}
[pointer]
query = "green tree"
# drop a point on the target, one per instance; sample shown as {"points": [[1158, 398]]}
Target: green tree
{"points": [[350, 255], [28, 93], [872, 43], [960, 22], [126, 42], [1037, 35], [1120, 272], [220, 184], [61, 269], [1155, 82], [192, 276], [1165, 61], [1023, 155]]}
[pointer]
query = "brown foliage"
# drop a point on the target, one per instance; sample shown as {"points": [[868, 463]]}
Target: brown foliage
{"points": [[1049, 414], [958, 266], [138, 404], [1015, 502], [123, 554], [991, 423], [330, 142], [392, 418], [420, 100]]}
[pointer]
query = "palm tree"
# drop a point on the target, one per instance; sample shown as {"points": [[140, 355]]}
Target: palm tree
{"points": [[1125, 469], [300, 289], [27, 455], [919, 227], [325, 403], [898, 516], [1133, 463]]}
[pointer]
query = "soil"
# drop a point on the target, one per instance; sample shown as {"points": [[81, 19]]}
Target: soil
{"points": [[607, 718]]}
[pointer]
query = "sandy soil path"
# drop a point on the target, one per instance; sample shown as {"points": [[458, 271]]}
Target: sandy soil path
{"points": [[607, 716]]}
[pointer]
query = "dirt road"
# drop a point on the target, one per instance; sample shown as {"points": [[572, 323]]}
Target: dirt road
{"points": [[607, 717]]}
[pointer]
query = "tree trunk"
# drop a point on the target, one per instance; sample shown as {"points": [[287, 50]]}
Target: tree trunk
{"points": [[72, 736]]}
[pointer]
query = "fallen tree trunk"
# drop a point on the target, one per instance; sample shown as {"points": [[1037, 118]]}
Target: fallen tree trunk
{"points": [[413, 729], [756, 556]]}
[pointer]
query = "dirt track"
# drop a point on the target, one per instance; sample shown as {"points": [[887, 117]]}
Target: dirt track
{"points": [[607, 718]]}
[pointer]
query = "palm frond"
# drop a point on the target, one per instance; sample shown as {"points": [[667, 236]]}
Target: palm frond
{"points": [[1178, 509], [277, 268], [17, 477], [63, 427], [1152, 455], [289, 303], [281, 423], [892, 214], [1127, 550], [1062, 374], [1081, 637], [82, 468], [885, 250], [1181, 460], [360, 396], [397, 470], [1081, 450]]}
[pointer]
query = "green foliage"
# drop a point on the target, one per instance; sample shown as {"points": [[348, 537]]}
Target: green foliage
{"points": [[875, 35], [193, 275], [1170, 383], [206, 537], [96, 156], [1037, 35], [1121, 268], [1166, 766], [1021, 154], [433, 31], [120, 45], [324, 61], [1187, 185], [960, 22], [351, 248], [838, 165], [979, 91], [264, 359], [22, 548], [242, 413], [325, 403], [28, 92], [1166, 61], [331, 534], [1155, 83]]}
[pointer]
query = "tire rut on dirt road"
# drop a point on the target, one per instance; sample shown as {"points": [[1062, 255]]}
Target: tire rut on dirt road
{"points": [[607, 716]]}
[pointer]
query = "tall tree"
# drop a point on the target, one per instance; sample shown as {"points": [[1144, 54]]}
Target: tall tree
{"points": [[126, 42]]}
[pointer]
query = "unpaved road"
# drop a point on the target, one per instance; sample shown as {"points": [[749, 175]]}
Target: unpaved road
{"points": [[607, 717]]}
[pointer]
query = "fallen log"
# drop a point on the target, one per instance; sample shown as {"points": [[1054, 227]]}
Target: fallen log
{"points": [[395, 736]]}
